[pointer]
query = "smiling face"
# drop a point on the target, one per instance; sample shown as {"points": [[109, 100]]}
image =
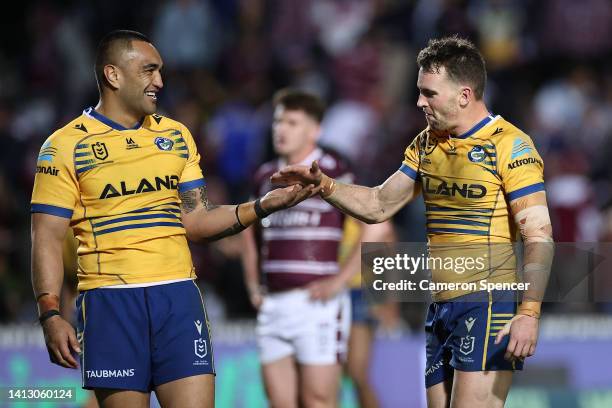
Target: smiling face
{"points": [[440, 99], [138, 78]]}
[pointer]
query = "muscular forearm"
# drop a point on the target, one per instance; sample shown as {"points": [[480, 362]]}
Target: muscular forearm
{"points": [[537, 263], [531, 216], [47, 271], [220, 221], [358, 201], [371, 204]]}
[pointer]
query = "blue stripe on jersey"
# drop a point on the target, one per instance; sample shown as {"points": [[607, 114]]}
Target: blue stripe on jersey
{"points": [[513, 195], [486, 217], [134, 226], [51, 209], [82, 169], [464, 222], [184, 156], [82, 146], [82, 154], [409, 171], [182, 148], [457, 231], [479, 210], [135, 217], [83, 162], [190, 185]]}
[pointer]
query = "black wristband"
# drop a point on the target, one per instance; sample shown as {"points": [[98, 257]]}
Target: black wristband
{"points": [[259, 211], [238, 218], [48, 314]]}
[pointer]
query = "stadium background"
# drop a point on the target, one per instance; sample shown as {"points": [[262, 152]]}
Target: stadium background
{"points": [[549, 73]]}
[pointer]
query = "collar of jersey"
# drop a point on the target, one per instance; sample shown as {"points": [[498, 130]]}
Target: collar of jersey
{"points": [[91, 112], [476, 127]]}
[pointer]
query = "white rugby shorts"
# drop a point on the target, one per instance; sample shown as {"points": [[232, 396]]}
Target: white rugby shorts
{"points": [[314, 332]]}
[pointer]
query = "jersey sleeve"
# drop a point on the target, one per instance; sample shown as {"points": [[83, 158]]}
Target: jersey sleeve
{"points": [[56, 190], [410, 165], [520, 166], [192, 174]]}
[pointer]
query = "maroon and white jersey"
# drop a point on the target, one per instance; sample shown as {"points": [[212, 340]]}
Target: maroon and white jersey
{"points": [[300, 244]]}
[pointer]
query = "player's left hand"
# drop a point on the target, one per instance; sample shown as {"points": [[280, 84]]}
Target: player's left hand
{"points": [[523, 331], [286, 197], [325, 288]]}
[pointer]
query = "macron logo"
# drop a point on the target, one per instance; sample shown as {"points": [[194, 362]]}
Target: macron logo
{"points": [[198, 325]]}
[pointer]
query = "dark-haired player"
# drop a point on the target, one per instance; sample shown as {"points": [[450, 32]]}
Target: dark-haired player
{"points": [[128, 183], [304, 315]]}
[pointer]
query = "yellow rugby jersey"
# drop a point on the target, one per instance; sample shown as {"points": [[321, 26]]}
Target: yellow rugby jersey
{"points": [[467, 183], [119, 187]]}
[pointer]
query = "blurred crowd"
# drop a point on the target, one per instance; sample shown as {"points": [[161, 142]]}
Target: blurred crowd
{"points": [[548, 64]]}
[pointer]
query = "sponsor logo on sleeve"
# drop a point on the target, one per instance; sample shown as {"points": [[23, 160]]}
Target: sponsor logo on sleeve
{"points": [[520, 148], [47, 152]]}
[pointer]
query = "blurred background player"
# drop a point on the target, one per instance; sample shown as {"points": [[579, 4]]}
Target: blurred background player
{"points": [[304, 316], [482, 181], [129, 184]]}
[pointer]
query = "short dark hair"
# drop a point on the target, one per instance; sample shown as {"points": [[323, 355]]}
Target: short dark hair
{"points": [[461, 59], [118, 39], [295, 99]]}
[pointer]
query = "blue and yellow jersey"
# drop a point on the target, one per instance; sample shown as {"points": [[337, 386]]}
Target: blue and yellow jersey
{"points": [[467, 183], [119, 188]]}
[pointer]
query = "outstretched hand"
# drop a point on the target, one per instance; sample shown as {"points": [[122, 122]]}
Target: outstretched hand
{"points": [[286, 197], [301, 175]]}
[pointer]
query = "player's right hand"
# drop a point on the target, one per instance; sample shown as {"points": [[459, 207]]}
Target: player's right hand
{"points": [[296, 174], [61, 341]]}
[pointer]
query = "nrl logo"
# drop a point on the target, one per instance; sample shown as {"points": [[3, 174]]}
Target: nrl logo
{"points": [[99, 150], [200, 348], [467, 344]]}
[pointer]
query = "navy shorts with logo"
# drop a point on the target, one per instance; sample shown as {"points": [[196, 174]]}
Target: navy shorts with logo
{"points": [[460, 334], [139, 338]]}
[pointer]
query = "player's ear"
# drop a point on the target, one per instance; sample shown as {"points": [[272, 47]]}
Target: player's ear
{"points": [[465, 96], [111, 73]]}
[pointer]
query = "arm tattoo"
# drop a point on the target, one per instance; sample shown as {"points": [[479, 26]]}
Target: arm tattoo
{"points": [[234, 229], [189, 199]]}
